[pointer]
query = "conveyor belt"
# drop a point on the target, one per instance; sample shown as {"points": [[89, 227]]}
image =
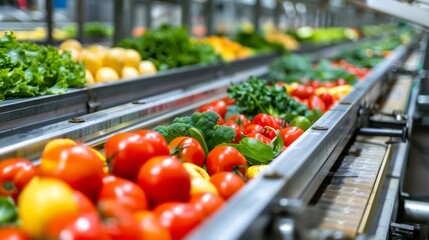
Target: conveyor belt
{"points": [[346, 198]]}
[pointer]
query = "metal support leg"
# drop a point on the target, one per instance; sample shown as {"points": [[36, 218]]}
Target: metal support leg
{"points": [[117, 18], [148, 14], [256, 14], [80, 15], [186, 12], [50, 20], [210, 10]]}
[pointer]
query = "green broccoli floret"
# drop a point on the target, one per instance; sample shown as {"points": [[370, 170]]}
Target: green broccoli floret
{"points": [[186, 120], [205, 122], [221, 134], [173, 131]]}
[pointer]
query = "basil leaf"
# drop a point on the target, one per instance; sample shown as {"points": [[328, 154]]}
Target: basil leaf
{"points": [[195, 133], [8, 211], [277, 144], [255, 151]]}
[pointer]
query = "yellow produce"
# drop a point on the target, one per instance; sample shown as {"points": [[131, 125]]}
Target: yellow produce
{"points": [[89, 78], [42, 200], [132, 58], [287, 41], [321, 90], [229, 50], [102, 158], [201, 185], [70, 44], [147, 67], [254, 171], [114, 59], [98, 50], [342, 90], [60, 142], [196, 171], [106, 74], [92, 61], [129, 72]]}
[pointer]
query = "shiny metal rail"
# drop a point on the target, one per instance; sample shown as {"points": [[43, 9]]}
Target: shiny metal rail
{"points": [[298, 172]]}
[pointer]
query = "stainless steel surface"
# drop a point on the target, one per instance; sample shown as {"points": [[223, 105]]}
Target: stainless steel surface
{"points": [[416, 211], [387, 209], [97, 127], [301, 168], [397, 9]]}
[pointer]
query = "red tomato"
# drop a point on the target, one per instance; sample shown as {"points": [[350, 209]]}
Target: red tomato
{"points": [[76, 165], [15, 173], [315, 84], [208, 202], [303, 92], [253, 128], [316, 102], [76, 226], [260, 137], [164, 179], [178, 218], [225, 158], [341, 82], [218, 106], [240, 120], [188, 150], [266, 120], [237, 129], [329, 84], [150, 226], [229, 101], [83, 203], [129, 151], [290, 134], [327, 99], [227, 184], [118, 221], [13, 233], [124, 192]]}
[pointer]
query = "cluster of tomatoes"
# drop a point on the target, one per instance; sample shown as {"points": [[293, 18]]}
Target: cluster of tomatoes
{"points": [[153, 190], [359, 72]]}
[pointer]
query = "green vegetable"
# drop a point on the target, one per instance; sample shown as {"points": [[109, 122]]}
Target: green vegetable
{"points": [[8, 211], [313, 115], [256, 96], [205, 122], [170, 47], [256, 41], [301, 122], [257, 152], [293, 68], [196, 134], [27, 70]]}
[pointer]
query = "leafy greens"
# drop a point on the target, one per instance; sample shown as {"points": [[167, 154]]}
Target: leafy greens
{"points": [[28, 69]]}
